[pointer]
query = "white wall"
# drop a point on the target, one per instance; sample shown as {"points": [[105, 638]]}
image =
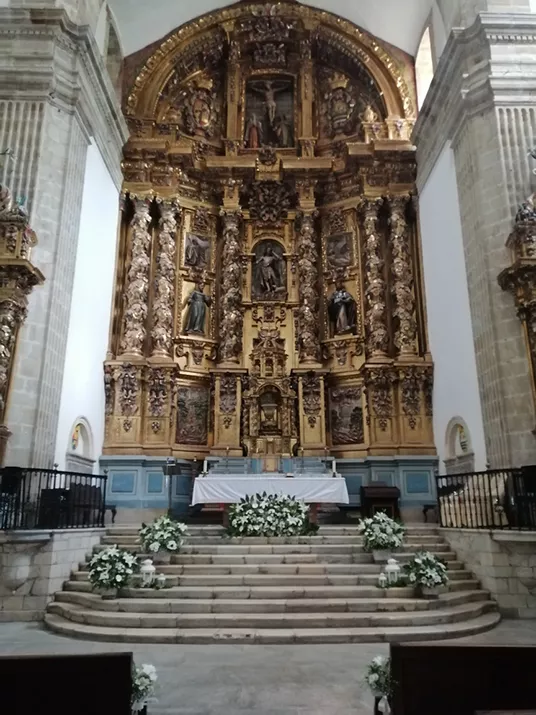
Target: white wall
{"points": [[449, 320], [83, 391]]}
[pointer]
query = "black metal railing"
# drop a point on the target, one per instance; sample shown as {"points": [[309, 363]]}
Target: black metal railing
{"points": [[48, 499], [495, 499]]}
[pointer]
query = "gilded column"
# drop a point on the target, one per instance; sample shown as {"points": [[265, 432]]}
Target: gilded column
{"points": [[308, 319], [164, 286], [137, 285], [403, 280], [232, 318], [376, 318]]}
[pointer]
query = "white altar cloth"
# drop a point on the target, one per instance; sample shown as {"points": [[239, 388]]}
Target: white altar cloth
{"points": [[230, 489]]}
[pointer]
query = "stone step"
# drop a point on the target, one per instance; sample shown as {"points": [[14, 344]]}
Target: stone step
{"points": [[117, 619], [318, 605], [431, 542], [325, 530], [273, 636]]}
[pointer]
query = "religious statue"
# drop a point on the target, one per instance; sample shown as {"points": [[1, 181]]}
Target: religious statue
{"points": [[197, 302], [269, 272], [269, 113], [339, 106], [342, 310], [196, 251], [253, 133]]}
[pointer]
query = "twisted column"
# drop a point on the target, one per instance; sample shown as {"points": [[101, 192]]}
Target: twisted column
{"points": [[231, 318], [375, 290], [137, 288], [403, 280], [308, 321], [164, 285]]}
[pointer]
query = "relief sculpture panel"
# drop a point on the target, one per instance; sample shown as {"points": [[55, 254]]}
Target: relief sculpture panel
{"points": [[192, 415], [346, 415]]}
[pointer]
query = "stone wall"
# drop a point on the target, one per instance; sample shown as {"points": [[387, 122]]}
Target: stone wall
{"points": [[34, 565], [504, 563]]}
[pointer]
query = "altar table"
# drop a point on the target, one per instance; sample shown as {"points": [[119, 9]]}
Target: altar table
{"points": [[230, 489]]}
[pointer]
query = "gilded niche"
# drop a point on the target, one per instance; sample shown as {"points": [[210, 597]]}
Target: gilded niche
{"points": [[269, 112]]}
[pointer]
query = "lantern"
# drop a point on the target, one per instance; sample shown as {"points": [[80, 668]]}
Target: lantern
{"points": [[382, 580], [147, 572], [161, 580], [392, 571]]}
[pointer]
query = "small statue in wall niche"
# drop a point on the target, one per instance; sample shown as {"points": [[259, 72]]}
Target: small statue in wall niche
{"points": [[253, 135], [197, 310], [342, 310]]}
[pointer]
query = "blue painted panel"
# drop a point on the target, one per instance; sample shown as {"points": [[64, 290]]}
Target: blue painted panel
{"points": [[155, 482], [182, 485], [385, 476], [417, 482], [123, 482]]}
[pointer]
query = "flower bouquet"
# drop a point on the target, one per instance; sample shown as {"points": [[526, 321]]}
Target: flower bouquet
{"points": [[427, 573], [268, 515], [378, 679], [112, 569], [143, 680], [162, 538], [381, 535]]}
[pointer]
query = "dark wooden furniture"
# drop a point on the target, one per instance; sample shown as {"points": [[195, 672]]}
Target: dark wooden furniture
{"points": [[380, 497], [426, 508], [64, 685], [462, 679]]}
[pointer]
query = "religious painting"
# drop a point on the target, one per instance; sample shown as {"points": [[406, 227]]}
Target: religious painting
{"points": [[269, 271], [346, 416], [339, 250], [75, 437], [192, 415], [196, 251], [269, 112]]}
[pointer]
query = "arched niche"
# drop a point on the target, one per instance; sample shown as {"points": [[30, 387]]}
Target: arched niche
{"points": [[269, 271], [80, 455], [460, 457], [203, 46]]}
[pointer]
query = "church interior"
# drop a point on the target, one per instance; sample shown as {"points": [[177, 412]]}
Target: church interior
{"points": [[269, 253]]}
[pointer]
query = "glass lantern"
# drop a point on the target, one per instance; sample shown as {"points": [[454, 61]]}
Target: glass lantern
{"points": [[147, 571], [161, 580], [392, 571], [382, 580]]}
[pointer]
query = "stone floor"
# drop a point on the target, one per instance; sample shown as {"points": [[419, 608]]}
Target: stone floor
{"points": [[249, 680]]}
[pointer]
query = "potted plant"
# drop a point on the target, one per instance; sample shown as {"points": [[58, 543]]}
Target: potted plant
{"points": [[162, 538], [381, 536], [378, 679], [143, 681], [112, 569], [269, 515], [427, 573]]}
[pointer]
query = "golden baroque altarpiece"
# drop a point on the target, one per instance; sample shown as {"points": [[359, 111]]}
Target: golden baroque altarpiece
{"points": [[269, 295]]}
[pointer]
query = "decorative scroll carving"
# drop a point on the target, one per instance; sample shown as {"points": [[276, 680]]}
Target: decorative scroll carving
{"points": [[336, 221], [346, 415], [157, 387], [269, 201], [379, 383], [270, 54], [309, 344], [164, 285], [403, 281], [311, 395], [411, 381], [268, 356], [129, 387], [228, 398], [109, 382], [375, 286], [201, 221], [137, 288], [231, 322]]}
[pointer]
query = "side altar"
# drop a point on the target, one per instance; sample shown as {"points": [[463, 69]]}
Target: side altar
{"points": [[269, 300]]}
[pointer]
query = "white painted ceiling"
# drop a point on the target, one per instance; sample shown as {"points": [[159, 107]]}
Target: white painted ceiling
{"points": [[400, 22]]}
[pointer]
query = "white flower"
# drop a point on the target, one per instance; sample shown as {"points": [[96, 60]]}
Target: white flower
{"points": [[373, 678], [172, 546], [379, 660], [154, 546]]}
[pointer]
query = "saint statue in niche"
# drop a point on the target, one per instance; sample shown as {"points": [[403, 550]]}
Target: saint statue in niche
{"points": [[269, 113], [197, 310], [342, 310], [196, 251], [269, 271]]}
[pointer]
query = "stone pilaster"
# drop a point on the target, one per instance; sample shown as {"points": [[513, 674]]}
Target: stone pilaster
{"points": [[377, 329], [63, 96], [232, 317], [308, 322], [483, 100], [164, 285]]}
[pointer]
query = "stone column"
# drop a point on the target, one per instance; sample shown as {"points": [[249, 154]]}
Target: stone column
{"points": [[164, 284], [376, 320], [134, 331], [308, 319], [231, 317], [403, 287]]}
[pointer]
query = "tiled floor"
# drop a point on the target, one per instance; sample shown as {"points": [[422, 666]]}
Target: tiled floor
{"points": [[249, 680]]}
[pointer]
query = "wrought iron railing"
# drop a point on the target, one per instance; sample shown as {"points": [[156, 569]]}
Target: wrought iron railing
{"points": [[49, 499], [495, 499]]}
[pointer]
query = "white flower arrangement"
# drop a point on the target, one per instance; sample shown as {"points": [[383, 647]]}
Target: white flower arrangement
{"points": [[164, 534], [426, 570], [378, 676], [143, 681], [112, 568], [381, 533], [268, 515]]}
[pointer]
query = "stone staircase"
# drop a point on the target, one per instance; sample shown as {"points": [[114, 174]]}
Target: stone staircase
{"points": [[319, 589]]}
